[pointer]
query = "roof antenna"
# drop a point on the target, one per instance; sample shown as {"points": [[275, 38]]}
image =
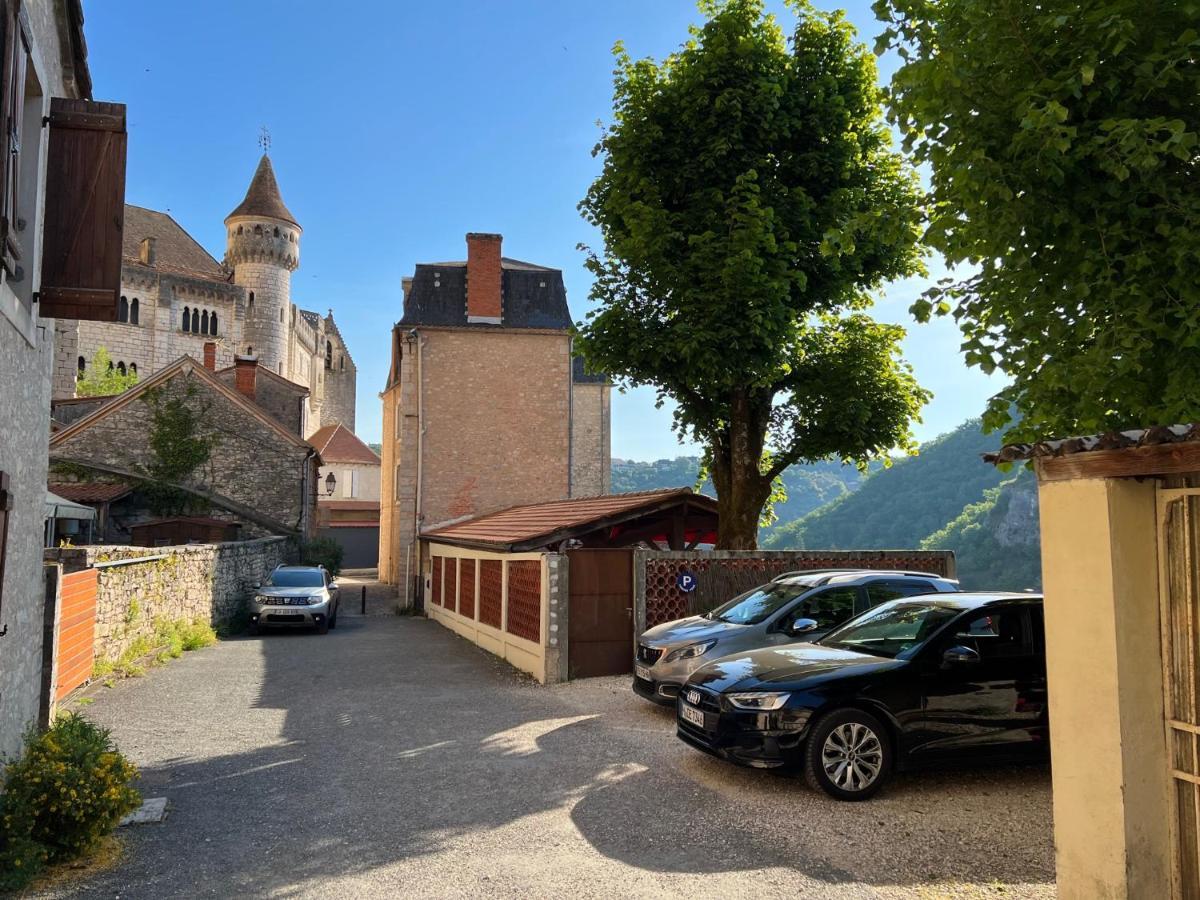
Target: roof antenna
{"points": [[264, 139]]}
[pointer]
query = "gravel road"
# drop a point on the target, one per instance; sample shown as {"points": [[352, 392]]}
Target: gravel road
{"points": [[391, 758]]}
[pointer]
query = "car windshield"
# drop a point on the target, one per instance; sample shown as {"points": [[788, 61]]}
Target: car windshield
{"points": [[296, 578], [754, 606], [894, 629]]}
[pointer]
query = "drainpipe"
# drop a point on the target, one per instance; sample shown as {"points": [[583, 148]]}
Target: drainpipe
{"points": [[570, 417], [304, 493], [420, 377]]}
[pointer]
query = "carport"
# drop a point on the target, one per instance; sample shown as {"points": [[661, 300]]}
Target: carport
{"points": [[549, 586]]}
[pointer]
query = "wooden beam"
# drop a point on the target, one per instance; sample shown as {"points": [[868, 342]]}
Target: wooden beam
{"points": [[1181, 458]]}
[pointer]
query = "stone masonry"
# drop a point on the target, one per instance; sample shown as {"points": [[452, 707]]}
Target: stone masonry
{"points": [[210, 582], [591, 455]]}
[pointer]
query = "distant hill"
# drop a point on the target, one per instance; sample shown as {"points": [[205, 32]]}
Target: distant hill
{"points": [[808, 487], [897, 507]]}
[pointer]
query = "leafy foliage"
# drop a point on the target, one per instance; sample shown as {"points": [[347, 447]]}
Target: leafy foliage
{"points": [[178, 451], [995, 541], [69, 789], [1063, 140], [101, 379], [897, 507], [749, 202], [322, 552]]}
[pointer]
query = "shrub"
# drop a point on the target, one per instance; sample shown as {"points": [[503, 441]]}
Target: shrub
{"points": [[196, 634], [69, 789], [322, 552]]}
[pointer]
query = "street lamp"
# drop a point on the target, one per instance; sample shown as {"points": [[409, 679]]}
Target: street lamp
{"points": [[330, 484]]}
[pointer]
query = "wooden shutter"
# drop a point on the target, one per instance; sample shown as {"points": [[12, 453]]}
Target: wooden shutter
{"points": [[85, 210]]}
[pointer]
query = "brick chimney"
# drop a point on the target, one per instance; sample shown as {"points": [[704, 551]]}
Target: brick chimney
{"points": [[245, 374], [483, 278], [210, 355]]}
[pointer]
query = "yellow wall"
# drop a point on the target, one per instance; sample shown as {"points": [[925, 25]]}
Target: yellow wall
{"points": [[1099, 563]]}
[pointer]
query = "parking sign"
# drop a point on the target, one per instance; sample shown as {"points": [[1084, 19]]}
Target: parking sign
{"points": [[685, 581]]}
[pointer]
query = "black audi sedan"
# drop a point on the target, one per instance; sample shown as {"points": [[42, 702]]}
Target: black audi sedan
{"points": [[918, 681]]}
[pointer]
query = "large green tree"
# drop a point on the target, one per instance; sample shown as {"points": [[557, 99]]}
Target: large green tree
{"points": [[1062, 140], [749, 203]]}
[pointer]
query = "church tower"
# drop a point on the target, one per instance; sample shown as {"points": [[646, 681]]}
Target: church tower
{"points": [[262, 246]]}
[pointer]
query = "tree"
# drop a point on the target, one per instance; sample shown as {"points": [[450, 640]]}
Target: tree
{"points": [[102, 379], [749, 202], [1063, 144]]}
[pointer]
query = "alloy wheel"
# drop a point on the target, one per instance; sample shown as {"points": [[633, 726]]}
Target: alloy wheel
{"points": [[852, 756]]}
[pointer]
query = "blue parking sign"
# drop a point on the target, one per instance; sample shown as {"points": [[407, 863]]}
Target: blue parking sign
{"points": [[685, 581]]}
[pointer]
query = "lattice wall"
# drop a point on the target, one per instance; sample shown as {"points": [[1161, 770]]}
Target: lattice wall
{"points": [[466, 588], [491, 591], [720, 578], [437, 580], [450, 598], [525, 599]]}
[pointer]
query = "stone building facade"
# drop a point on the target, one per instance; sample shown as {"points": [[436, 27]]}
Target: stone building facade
{"points": [[56, 67], [175, 297], [484, 406]]}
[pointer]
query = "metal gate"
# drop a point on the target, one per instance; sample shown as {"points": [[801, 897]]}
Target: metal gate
{"points": [[1179, 590], [76, 630], [600, 613]]}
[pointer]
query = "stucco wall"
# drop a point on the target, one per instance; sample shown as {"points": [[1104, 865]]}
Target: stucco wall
{"points": [[365, 481]]}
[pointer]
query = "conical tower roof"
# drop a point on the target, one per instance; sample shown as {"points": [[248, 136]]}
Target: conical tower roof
{"points": [[262, 198]]}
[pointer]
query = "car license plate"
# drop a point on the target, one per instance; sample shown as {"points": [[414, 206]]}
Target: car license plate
{"points": [[691, 714], [642, 672]]}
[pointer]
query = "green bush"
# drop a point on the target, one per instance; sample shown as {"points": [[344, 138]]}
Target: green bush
{"points": [[69, 789], [322, 552]]}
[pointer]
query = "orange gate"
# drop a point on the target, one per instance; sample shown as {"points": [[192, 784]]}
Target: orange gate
{"points": [[76, 630]]}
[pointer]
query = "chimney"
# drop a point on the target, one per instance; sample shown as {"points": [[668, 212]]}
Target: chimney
{"points": [[210, 355], [483, 278], [406, 286], [245, 373], [146, 251]]}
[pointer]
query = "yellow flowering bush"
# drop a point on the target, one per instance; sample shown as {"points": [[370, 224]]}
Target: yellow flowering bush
{"points": [[69, 789]]}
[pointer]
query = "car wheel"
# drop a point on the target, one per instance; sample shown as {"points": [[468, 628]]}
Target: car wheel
{"points": [[333, 618], [848, 755], [252, 629], [323, 627]]}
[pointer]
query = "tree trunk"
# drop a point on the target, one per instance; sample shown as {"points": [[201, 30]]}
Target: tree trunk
{"points": [[742, 490]]}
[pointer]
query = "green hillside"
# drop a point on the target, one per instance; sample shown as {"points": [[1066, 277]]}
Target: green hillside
{"points": [[897, 507], [808, 487]]}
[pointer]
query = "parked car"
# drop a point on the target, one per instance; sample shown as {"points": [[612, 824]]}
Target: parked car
{"points": [[923, 680], [796, 606], [296, 596]]}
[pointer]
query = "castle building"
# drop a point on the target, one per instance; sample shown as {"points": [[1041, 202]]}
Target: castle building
{"points": [[485, 407], [175, 297]]}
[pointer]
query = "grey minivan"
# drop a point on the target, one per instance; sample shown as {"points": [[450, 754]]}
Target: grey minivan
{"points": [[796, 606]]}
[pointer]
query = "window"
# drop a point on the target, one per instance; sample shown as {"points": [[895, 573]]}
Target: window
{"points": [[757, 605], [258, 230], [829, 607], [187, 319], [328, 356], [251, 304], [249, 349], [81, 363], [195, 321], [239, 229], [110, 365], [897, 629], [14, 204], [123, 310], [341, 364], [882, 591], [276, 231], [133, 312], [212, 324], [133, 368], [281, 315], [204, 322], [999, 635], [121, 367]]}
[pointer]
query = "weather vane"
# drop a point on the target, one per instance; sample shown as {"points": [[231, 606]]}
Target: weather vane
{"points": [[264, 138]]}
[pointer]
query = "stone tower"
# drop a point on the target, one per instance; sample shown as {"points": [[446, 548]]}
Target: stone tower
{"points": [[262, 246]]}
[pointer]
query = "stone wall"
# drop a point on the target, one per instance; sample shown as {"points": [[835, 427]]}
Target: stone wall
{"points": [[591, 456], [211, 582], [281, 401]]}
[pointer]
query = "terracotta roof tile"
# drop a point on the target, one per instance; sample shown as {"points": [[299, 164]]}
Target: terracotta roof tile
{"points": [[89, 492], [541, 523], [1112, 440], [337, 443]]}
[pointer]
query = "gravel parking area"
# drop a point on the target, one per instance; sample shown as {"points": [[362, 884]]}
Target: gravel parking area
{"points": [[390, 757]]}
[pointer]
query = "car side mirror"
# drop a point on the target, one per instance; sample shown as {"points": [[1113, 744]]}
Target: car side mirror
{"points": [[257, 585], [333, 585], [959, 654], [804, 626]]}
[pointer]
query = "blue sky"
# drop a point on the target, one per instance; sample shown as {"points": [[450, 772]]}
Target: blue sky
{"points": [[397, 127]]}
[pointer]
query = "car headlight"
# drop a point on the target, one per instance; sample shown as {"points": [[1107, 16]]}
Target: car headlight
{"points": [[690, 651], [263, 599], [315, 599], [758, 700]]}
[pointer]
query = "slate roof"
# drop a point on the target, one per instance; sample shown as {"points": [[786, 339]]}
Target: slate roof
{"points": [[580, 375], [90, 492], [312, 318], [175, 251], [263, 197], [533, 296], [540, 524], [337, 443], [1112, 440]]}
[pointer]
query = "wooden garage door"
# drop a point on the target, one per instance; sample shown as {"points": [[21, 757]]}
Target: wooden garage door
{"points": [[600, 614], [76, 630]]}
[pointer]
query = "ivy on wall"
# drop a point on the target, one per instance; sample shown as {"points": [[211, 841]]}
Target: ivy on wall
{"points": [[177, 449]]}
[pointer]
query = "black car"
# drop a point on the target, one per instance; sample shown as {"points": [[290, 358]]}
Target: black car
{"points": [[922, 680]]}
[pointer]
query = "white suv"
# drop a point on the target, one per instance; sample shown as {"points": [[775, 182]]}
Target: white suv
{"points": [[296, 597]]}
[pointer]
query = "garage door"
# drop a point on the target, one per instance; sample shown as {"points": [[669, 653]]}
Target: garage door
{"points": [[359, 543]]}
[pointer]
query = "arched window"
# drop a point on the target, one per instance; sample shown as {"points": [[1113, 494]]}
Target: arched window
{"points": [[133, 368], [281, 315], [187, 319], [239, 229], [251, 301], [204, 322], [195, 321], [258, 229], [123, 310], [249, 349], [110, 365], [121, 367], [212, 324], [341, 364], [276, 231], [133, 311], [82, 363], [328, 355]]}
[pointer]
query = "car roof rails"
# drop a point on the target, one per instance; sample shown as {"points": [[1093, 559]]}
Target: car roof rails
{"points": [[857, 572]]}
